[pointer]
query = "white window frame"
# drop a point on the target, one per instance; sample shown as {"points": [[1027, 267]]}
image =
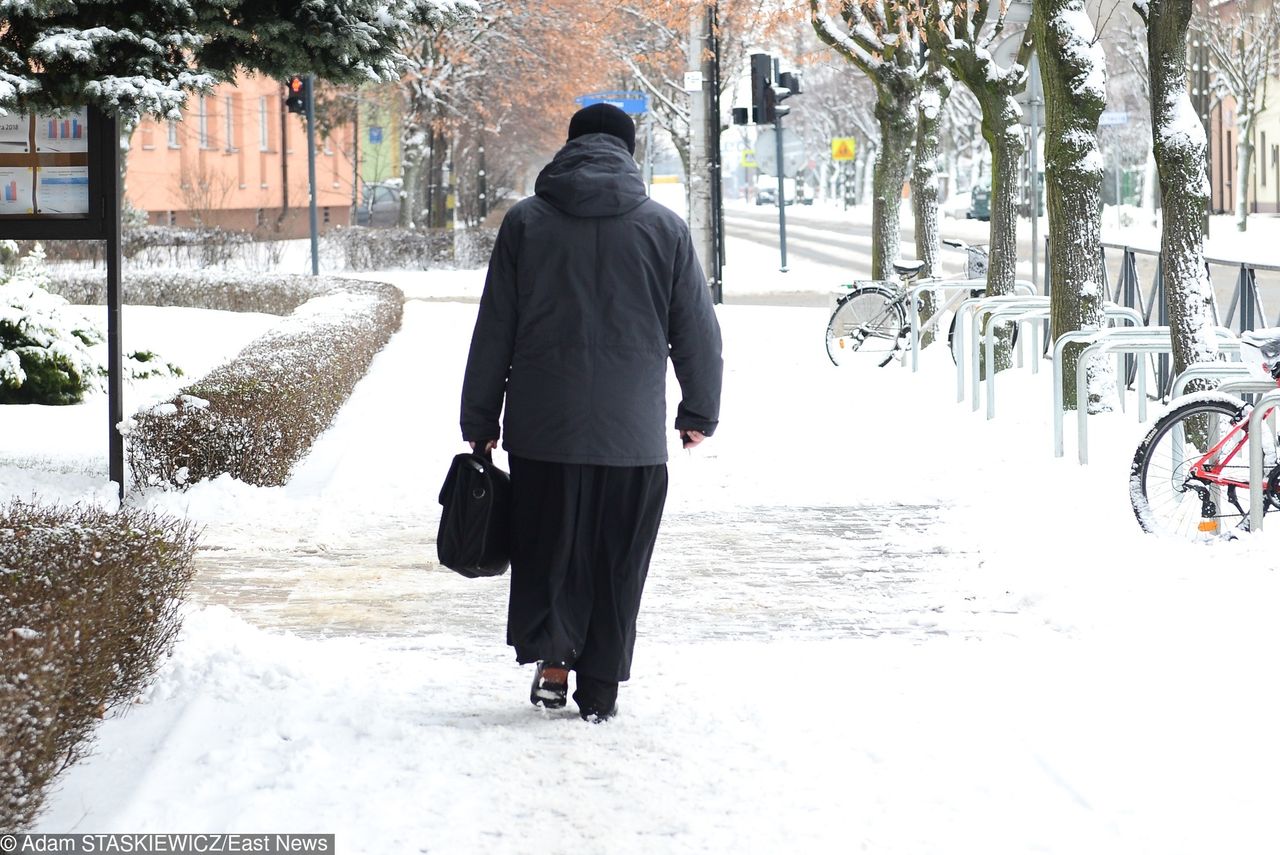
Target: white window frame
{"points": [[203, 116], [264, 129], [174, 142], [229, 124]]}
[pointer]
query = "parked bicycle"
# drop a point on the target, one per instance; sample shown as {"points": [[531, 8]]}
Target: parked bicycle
{"points": [[1190, 474], [870, 322]]}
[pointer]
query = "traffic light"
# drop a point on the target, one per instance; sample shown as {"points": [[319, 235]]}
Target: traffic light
{"points": [[788, 84], [299, 88], [761, 76]]}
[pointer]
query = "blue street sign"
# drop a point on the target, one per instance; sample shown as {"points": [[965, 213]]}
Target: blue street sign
{"points": [[375, 134], [634, 103]]}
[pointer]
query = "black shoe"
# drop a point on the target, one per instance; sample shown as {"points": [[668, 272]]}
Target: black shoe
{"points": [[597, 700], [550, 685]]}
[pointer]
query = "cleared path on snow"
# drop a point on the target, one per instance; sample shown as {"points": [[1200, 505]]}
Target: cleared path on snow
{"points": [[349, 549]]}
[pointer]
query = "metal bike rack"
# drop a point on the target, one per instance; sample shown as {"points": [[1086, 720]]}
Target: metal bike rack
{"points": [[1024, 292], [1209, 371], [1031, 317], [914, 296], [1266, 402], [984, 308], [1155, 340], [1229, 344], [1111, 312]]}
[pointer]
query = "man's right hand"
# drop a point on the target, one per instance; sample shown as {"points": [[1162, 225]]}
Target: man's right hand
{"points": [[690, 438], [489, 445]]}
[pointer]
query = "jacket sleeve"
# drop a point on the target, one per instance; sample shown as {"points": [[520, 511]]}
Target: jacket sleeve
{"points": [[492, 342], [694, 336]]}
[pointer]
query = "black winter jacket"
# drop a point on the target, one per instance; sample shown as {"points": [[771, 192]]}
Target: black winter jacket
{"points": [[591, 287]]}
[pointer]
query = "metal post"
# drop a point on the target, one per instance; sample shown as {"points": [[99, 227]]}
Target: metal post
{"points": [[713, 145], [114, 188], [1033, 81], [1163, 368], [311, 172], [482, 179], [782, 197]]}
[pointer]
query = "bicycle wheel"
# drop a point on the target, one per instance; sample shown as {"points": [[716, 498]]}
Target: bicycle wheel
{"points": [[951, 334], [868, 323], [1168, 498]]}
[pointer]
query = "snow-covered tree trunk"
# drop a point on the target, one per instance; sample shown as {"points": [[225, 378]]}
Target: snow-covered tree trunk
{"points": [[961, 37], [934, 89], [1180, 146], [1244, 164], [1073, 73], [881, 40], [893, 162]]}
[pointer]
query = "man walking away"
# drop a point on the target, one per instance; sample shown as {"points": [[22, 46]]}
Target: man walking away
{"points": [[591, 287]]}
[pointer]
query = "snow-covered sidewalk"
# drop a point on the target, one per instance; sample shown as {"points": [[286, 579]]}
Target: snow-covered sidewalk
{"points": [[875, 622]]}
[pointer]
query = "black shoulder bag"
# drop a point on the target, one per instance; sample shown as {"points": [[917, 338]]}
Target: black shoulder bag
{"points": [[475, 530]]}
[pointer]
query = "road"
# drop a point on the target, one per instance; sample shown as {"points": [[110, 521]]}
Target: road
{"points": [[815, 236]]}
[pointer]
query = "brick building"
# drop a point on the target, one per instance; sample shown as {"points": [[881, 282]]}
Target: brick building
{"points": [[238, 160]]}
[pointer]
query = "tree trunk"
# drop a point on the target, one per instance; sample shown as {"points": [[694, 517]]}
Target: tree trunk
{"points": [[893, 159], [1244, 161], [1073, 73], [1180, 146], [935, 87]]}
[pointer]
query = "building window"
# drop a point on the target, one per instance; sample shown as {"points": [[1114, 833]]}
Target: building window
{"points": [[264, 135], [1263, 149], [173, 134], [173, 218], [326, 216], [260, 218], [229, 107], [204, 121]]}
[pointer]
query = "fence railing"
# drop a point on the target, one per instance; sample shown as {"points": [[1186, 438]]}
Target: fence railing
{"points": [[1246, 311]]}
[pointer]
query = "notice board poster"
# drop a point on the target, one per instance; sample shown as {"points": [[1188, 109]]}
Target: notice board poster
{"points": [[15, 190], [15, 134], [67, 133], [62, 190], [44, 165]]}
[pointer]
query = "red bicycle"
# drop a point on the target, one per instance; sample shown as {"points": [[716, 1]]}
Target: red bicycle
{"points": [[1190, 475]]}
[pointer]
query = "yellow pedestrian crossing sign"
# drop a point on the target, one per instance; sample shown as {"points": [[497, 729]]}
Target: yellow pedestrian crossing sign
{"points": [[842, 148], [748, 159]]}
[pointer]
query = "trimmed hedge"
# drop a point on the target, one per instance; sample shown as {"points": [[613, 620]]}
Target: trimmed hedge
{"points": [[230, 291], [411, 249], [147, 244], [256, 416], [89, 605]]}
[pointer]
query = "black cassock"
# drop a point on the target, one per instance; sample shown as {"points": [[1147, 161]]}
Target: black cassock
{"points": [[582, 537]]}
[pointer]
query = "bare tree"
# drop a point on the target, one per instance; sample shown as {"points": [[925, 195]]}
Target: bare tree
{"points": [[881, 39], [1244, 50], [961, 35]]}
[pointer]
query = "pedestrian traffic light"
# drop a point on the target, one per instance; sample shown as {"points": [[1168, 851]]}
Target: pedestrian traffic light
{"points": [[299, 88], [740, 116], [761, 77]]}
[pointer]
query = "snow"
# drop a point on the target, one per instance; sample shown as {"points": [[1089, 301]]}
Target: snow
{"points": [[868, 607], [1081, 47]]}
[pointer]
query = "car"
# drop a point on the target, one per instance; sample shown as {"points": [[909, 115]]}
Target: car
{"points": [[379, 206], [979, 202], [766, 196]]}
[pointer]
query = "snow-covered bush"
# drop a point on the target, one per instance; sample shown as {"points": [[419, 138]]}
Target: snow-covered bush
{"points": [[411, 249], [228, 291], [89, 605], [46, 354], [256, 416]]}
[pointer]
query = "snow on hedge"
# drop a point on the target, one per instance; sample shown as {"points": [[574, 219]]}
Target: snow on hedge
{"points": [[257, 415]]}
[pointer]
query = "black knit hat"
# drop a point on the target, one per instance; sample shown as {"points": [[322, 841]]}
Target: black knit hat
{"points": [[604, 119]]}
